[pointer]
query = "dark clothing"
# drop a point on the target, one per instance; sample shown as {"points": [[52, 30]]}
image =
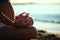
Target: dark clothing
{"points": [[3, 1]]}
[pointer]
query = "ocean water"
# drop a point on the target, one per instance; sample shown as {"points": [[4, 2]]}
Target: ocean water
{"points": [[46, 16]]}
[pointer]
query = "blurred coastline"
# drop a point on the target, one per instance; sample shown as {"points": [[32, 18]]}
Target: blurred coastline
{"points": [[46, 18]]}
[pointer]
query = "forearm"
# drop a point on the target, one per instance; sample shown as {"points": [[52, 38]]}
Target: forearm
{"points": [[7, 9], [23, 33], [5, 19]]}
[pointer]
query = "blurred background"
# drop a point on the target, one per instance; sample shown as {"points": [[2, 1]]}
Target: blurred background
{"points": [[46, 13]]}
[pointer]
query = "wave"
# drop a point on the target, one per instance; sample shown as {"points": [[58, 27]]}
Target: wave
{"points": [[50, 21]]}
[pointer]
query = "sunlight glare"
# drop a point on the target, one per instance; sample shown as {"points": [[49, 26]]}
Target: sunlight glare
{"points": [[35, 1]]}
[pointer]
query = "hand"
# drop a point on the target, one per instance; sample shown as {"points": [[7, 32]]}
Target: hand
{"points": [[28, 21]]}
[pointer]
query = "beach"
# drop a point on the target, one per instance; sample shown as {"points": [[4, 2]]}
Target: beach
{"points": [[46, 12], [47, 31], [47, 26], [44, 35]]}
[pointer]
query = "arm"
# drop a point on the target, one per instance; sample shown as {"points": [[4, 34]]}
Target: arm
{"points": [[5, 19], [24, 33]]}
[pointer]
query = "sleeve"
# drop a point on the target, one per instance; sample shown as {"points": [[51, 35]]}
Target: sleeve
{"points": [[3, 1], [2, 25]]}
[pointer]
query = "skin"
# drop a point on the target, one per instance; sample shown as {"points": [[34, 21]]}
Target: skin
{"points": [[7, 9], [10, 31]]}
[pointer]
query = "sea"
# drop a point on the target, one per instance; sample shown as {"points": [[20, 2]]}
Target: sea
{"points": [[45, 16]]}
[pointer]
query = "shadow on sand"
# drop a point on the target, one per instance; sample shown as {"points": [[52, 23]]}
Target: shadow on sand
{"points": [[43, 35]]}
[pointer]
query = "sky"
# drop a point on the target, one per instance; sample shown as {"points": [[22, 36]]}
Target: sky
{"points": [[46, 9], [35, 1]]}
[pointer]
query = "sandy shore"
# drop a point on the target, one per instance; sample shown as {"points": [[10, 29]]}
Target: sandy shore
{"points": [[44, 35]]}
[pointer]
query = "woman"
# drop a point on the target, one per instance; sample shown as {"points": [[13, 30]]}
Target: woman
{"points": [[7, 19]]}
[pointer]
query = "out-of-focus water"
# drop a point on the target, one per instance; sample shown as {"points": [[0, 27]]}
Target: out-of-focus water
{"points": [[52, 27], [49, 12]]}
